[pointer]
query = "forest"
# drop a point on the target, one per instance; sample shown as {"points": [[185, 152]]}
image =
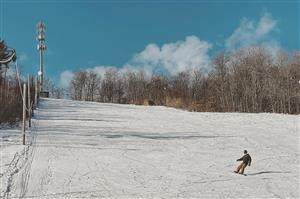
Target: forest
{"points": [[250, 80]]}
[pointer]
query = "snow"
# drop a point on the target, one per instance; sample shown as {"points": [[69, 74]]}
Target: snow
{"points": [[10, 152], [86, 149]]}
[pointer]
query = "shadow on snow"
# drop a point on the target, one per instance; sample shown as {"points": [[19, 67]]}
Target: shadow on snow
{"points": [[264, 172]]}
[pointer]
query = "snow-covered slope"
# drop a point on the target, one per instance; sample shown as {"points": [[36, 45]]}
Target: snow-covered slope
{"points": [[85, 149]]}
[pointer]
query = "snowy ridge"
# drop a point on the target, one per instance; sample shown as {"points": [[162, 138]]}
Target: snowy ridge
{"points": [[87, 149]]}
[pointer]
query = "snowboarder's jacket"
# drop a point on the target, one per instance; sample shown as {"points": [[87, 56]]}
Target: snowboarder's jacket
{"points": [[246, 159]]}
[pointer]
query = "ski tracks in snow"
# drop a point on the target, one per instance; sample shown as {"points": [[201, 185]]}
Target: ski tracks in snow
{"points": [[104, 150], [26, 170], [21, 161]]}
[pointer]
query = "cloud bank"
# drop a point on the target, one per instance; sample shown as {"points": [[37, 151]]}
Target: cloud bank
{"points": [[190, 53], [171, 58], [251, 33], [65, 78]]}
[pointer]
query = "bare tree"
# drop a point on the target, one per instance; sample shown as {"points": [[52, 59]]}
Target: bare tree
{"points": [[92, 83], [78, 85], [109, 85]]}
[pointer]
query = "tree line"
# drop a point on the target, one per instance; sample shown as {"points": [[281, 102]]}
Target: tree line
{"points": [[11, 102], [10, 99], [248, 80]]}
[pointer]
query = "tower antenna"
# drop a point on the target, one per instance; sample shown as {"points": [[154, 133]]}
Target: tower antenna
{"points": [[41, 47]]}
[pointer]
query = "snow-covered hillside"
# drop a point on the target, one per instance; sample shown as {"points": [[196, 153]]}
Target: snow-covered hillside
{"points": [[85, 149]]}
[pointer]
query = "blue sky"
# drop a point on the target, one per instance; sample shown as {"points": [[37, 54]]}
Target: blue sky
{"points": [[89, 34]]}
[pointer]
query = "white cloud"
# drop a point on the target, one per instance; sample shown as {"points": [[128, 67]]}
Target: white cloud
{"points": [[173, 57], [265, 25], [252, 33], [191, 53], [65, 78], [100, 70], [67, 75], [22, 57]]}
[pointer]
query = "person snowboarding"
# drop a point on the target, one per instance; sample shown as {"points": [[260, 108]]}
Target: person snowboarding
{"points": [[246, 162]]}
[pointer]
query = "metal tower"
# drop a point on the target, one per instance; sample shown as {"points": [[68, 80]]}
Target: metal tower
{"points": [[41, 47]]}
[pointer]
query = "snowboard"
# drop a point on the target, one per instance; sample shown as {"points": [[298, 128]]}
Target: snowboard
{"points": [[239, 173]]}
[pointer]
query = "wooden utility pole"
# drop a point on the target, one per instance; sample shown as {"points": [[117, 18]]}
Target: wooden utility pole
{"points": [[7, 97], [29, 103], [36, 93], [24, 113]]}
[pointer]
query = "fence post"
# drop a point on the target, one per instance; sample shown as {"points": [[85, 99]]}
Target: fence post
{"points": [[29, 103], [24, 113]]}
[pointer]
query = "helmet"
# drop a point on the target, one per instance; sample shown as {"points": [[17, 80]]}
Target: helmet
{"points": [[245, 151]]}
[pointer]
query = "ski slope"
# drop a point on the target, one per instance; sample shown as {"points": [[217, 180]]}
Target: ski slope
{"points": [[86, 150]]}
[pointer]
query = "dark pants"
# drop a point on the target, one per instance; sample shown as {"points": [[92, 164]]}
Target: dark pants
{"points": [[241, 168]]}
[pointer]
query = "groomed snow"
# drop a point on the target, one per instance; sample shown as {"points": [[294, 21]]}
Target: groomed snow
{"points": [[85, 150]]}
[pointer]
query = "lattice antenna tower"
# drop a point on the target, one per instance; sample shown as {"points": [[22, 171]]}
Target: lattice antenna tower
{"points": [[41, 47]]}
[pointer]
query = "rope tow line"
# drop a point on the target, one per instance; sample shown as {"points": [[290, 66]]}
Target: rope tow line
{"points": [[20, 87], [6, 61]]}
